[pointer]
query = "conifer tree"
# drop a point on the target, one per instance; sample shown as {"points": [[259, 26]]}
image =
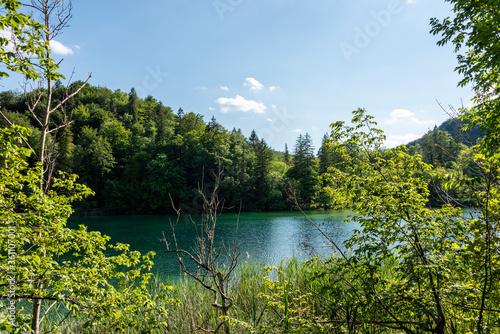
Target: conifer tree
{"points": [[133, 108], [287, 158], [304, 170]]}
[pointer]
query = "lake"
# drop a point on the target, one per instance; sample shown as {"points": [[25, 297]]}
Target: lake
{"points": [[262, 237]]}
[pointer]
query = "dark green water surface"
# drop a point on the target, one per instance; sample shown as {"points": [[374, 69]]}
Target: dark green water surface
{"points": [[262, 237]]}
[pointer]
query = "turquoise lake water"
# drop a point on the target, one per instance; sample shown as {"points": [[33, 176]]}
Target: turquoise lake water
{"points": [[262, 237]]}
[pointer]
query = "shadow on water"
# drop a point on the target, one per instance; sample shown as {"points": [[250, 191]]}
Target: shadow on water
{"points": [[262, 237]]}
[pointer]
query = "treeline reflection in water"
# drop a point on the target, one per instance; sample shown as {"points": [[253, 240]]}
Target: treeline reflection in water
{"points": [[262, 237]]}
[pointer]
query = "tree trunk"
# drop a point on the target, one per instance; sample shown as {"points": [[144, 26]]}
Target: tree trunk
{"points": [[35, 320]]}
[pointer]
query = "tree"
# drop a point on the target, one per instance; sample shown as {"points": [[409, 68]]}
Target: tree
{"points": [[287, 158], [304, 170], [214, 260], [435, 255], [161, 179], [50, 115], [253, 137], [33, 39], [23, 41], [260, 173], [439, 148], [474, 33], [327, 158], [133, 105], [55, 15], [164, 122], [65, 149], [48, 263]]}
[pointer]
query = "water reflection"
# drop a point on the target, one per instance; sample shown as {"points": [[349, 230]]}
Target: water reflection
{"points": [[262, 237]]}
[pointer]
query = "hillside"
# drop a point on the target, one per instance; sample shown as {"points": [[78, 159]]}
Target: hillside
{"points": [[139, 156], [453, 126]]}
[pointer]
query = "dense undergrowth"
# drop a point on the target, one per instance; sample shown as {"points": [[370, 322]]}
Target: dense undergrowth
{"points": [[313, 296]]}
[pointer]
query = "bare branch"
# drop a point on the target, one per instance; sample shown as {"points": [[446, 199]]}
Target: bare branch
{"points": [[71, 95], [12, 125], [205, 255], [57, 128]]}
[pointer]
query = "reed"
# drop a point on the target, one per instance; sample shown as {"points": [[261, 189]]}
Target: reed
{"points": [[295, 296]]}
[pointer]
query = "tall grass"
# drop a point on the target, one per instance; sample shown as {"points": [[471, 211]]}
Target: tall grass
{"points": [[296, 296], [193, 308]]}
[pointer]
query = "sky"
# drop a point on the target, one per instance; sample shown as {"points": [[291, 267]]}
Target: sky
{"points": [[279, 67]]}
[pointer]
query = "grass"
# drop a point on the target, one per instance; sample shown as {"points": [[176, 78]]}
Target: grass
{"points": [[193, 308], [313, 296], [267, 300]]}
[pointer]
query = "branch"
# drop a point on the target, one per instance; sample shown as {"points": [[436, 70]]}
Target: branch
{"points": [[391, 314], [19, 133], [33, 297], [71, 95], [34, 102], [65, 124], [47, 311]]}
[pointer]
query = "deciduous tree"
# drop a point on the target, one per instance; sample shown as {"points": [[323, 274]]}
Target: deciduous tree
{"points": [[45, 262]]}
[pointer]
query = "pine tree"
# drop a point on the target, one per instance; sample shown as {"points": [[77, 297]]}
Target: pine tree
{"points": [[133, 105], [65, 149], [260, 173], [326, 157], [287, 158], [253, 137], [304, 170]]}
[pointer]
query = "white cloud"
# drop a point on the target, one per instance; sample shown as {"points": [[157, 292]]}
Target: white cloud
{"points": [[273, 88], [201, 88], [224, 88], [399, 115], [59, 49], [428, 122], [297, 130], [393, 141], [240, 104], [8, 35], [253, 84], [211, 108]]}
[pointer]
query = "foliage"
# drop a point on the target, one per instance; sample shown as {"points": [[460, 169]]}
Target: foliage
{"points": [[410, 268], [42, 259], [437, 251], [474, 31], [115, 155], [304, 171], [24, 41]]}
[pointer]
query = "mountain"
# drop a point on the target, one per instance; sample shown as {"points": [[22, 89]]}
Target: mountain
{"points": [[453, 127]]}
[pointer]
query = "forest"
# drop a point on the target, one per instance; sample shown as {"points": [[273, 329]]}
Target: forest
{"points": [[418, 263], [135, 153]]}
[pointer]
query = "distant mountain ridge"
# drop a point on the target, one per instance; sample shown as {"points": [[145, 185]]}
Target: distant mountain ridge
{"points": [[453, 126]]}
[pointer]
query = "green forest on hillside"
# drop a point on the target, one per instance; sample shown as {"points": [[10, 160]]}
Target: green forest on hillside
{"points": [[134, 153], [416, 264]]}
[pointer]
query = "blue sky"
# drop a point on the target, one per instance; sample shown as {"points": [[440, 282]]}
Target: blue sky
{"points": [[281, 67]]}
